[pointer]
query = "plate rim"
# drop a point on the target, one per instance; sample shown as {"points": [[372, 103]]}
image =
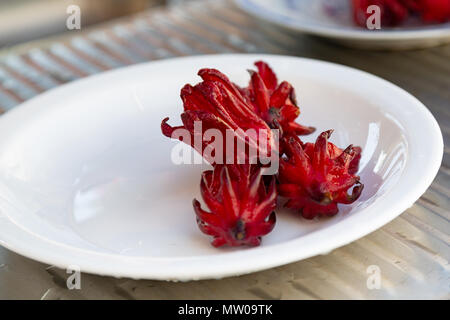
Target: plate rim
{"points": [[284, 21], [141, 267]]}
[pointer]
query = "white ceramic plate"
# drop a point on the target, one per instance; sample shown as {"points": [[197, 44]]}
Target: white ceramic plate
{"points": [[332, 19], [86, 177]]}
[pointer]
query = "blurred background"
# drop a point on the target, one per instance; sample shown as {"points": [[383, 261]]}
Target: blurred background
{"points": [[25, 20]]}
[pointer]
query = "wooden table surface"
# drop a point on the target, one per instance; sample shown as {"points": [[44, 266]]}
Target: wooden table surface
{"points": [[412, 251]]}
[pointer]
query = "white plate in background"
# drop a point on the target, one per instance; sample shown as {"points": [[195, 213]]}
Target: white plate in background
{"points": [[332, 19], [86, 177]]}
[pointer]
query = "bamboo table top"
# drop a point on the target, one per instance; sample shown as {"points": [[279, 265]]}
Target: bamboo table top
{"points": [[412, 251]]}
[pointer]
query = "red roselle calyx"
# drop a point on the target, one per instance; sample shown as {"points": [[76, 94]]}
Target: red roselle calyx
{"points": [[434, 10], [275, 103], [216, 103], [315, 177], [241, 205], [395, 12]]}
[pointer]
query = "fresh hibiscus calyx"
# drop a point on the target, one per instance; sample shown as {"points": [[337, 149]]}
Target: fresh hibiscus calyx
{"points": [[316, 177], [216, 104], [241, 205], [434, 11], [395, 12], [275, 103]]}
